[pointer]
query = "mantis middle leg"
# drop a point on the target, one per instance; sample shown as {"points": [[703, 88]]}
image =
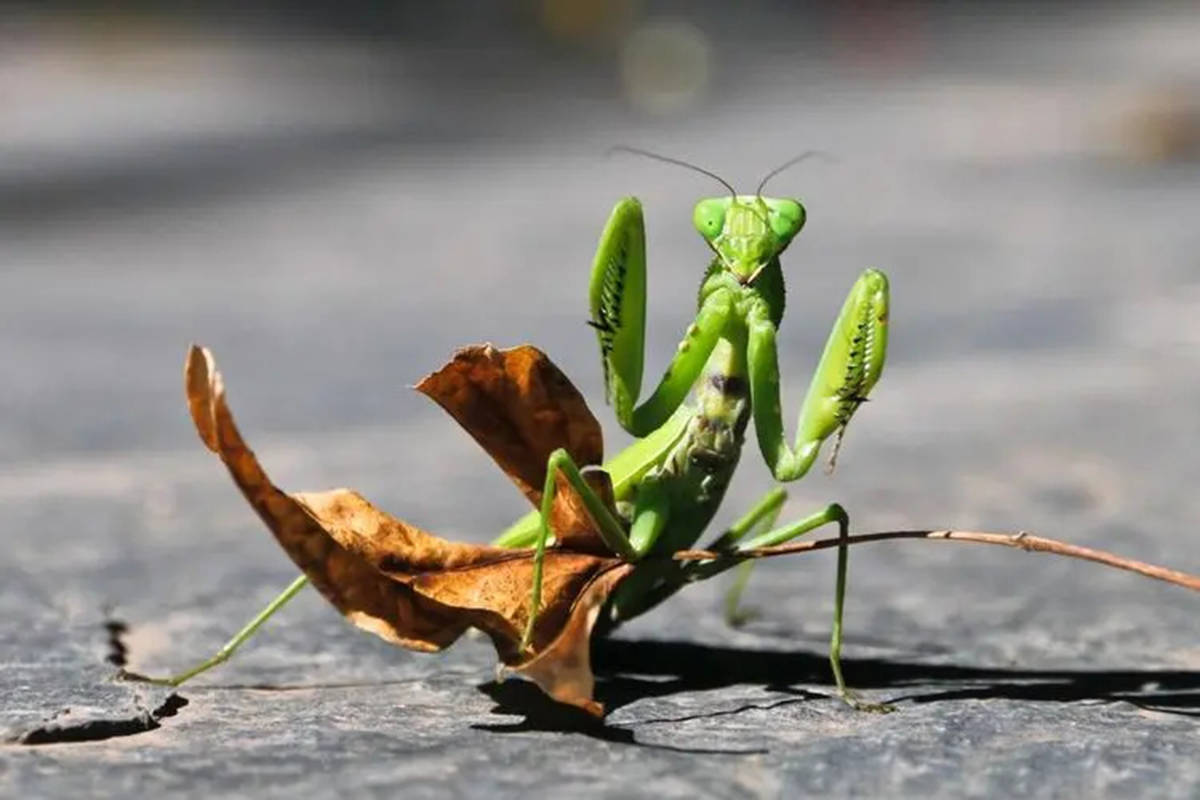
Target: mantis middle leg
{"points": [[761, 517], [649, 519], [650, 587]]}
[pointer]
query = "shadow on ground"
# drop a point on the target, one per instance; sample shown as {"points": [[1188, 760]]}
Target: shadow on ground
{"points": [[632, 670], [628, 671]]}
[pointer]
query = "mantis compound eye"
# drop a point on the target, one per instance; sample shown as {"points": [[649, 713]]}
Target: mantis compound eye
{"points": [[709, 217], [786, 217]]}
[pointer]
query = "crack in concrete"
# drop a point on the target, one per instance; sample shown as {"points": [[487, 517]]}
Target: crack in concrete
{"points": [[118, 652], [60, 730], [96, 730]]}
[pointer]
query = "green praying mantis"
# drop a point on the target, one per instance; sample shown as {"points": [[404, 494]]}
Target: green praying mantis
{"points": [[670, 482]]}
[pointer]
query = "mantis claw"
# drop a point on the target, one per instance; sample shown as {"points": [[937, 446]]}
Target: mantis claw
{"points": [[850, 698]]}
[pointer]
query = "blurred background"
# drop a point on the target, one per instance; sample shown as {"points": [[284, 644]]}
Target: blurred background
{"points": [[335, 196]]}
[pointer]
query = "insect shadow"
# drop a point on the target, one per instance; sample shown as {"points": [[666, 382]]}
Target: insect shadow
{"points": [[690, 666], [631, 670], [540, 713]]}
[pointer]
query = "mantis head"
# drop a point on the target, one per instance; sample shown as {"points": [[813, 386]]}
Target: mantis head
{"points": [[748, 231]]}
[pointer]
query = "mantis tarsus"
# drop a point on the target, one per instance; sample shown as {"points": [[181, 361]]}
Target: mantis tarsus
{"points": [[669, 483]]}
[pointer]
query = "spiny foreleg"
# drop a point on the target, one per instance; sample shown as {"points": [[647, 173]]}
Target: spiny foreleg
{"points": [[849, 368], [617, 299]]}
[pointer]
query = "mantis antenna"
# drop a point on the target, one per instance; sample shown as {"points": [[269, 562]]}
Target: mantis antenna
{"points": [[791, 162], [668, 160]]}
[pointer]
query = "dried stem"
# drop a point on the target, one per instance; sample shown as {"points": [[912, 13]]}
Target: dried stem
{"points": [[1022, 541]]}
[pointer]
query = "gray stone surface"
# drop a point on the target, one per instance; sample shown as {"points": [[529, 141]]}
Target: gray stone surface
{"points": [[1046, 340]]}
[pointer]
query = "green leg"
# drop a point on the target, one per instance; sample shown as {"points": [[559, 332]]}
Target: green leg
{"points": [[835, 640], [610, 528], [617, 299], [239, 638], [849, 368], [831, 513], [685, 367], [644, 588], [763, 515], [627, 469], [737, 615]]}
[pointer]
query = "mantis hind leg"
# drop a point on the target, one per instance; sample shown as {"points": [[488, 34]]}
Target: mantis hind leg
{"points": [[835, 639], [233, 644], [832, 513], [762, 516]]}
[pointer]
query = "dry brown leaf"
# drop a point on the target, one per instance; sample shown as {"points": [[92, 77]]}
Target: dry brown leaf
{"points": [[521, 408], [390, 610], [490, 585], [573, 526], [564, 667], [416, 589]]}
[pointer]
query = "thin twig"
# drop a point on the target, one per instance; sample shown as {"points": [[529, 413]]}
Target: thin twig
{"points": [[1022, 541]]}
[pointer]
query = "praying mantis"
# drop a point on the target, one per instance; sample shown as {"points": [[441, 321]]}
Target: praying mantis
{"points": [[668, 485]]}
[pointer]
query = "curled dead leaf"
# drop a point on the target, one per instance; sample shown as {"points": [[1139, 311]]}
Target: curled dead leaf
{"points": [[370, 600], [521, 408], [563, 668], [416, 589]]}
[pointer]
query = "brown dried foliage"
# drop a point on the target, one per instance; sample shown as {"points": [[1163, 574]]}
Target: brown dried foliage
{"points": [[520, 408], [418, 590]]}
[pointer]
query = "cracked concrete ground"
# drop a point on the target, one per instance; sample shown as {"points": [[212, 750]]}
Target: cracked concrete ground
{"points": [[1043, 376]]}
